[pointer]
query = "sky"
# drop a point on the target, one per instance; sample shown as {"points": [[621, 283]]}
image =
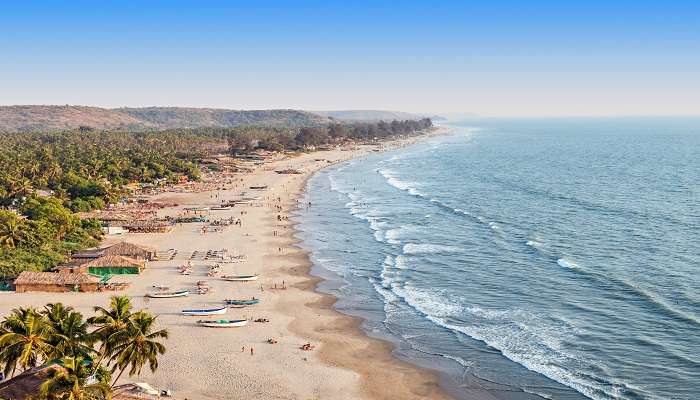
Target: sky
{"points": [[492, 58]]}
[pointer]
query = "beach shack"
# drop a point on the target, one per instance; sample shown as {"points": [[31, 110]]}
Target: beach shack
{"points": [[115, 265], [72, 267], [135, 251], [29, 281], [148, 226], [26, 385], [131, 250]]}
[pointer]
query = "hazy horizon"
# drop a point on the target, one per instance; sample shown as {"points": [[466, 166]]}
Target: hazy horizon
{"points": [[496, 59]]}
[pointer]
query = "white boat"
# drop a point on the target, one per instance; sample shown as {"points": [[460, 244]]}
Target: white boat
{"points": [[164, 295], [206, 311], [223, 323], [240, 278], [196, 208]]}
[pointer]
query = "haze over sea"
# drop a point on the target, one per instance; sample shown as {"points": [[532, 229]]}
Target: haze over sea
{"points": [[554, 258]]}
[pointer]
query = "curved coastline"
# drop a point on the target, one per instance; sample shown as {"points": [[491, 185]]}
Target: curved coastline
{"points": [[383, 374], [347, 345], [421, 379]]}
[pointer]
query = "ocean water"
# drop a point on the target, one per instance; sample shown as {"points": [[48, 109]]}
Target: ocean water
{"points": [[525, 258]]}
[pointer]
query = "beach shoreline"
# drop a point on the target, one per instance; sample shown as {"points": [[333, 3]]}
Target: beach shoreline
{"points": [[202, 363], [384, 376]]}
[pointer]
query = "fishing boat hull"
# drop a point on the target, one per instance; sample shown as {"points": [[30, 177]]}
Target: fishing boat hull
{"points": [[211, 311], [241, 278], [242, 302], [224, 324], [167, 295]]}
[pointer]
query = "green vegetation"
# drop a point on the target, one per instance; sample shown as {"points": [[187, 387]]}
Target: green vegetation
{"points": [[82, 170], [305, 137], [87, 169], [44, 237], [47, 177], [119, 340]]}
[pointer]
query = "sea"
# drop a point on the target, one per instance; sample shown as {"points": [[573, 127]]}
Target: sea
{"points": [[524, 258]]}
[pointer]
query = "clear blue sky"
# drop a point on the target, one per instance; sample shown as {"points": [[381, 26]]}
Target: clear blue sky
{"points": [[487, 57]]}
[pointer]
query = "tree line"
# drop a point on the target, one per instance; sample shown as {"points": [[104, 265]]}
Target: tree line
{"points": [[311, 136], [86, 169], [89, 351]]}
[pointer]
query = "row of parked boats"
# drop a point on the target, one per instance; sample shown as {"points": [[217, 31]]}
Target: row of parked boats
{"points": [[185, 293], [220, 323]]}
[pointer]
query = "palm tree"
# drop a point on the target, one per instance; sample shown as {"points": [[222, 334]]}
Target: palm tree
{"points": [[109, 321], [21, 187], [24, 341], [69, 337], [138, 345], [10, 232], [75, 381]]}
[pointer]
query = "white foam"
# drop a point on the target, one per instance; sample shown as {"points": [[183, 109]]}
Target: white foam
{"points": [[438, 305], [519, 335], [567, 263], [535, 244], [393, 236], [400, 262], [399, 184], [334, 184], [387, 273], [420, 248]]}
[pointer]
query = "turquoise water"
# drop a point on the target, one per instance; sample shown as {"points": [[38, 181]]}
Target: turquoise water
{"points": [[525, 258]]}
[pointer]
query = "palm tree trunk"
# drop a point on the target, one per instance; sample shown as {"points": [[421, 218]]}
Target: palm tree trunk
{"points": [[118, 376], [103, 354]]}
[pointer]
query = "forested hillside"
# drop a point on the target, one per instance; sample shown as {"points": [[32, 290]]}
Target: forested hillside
{"points": [[37, 118]]}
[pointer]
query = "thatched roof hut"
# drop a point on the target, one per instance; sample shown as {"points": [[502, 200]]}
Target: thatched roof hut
{"points": [[29, 281], [112, 265], [148, 226], [72, 267], [136, 251], [26, 385]]}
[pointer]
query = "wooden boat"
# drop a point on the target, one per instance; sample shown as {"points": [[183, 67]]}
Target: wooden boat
{"points": [[242, 302], [164, 295], [196, 208], [221, 208], [240, 278], [206, 311], [223, 323]]}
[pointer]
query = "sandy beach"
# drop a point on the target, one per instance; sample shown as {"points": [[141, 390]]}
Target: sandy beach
{"points": [[208, 363]]}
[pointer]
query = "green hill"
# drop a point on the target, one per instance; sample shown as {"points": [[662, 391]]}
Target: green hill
{"points": [[55, 118]]}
